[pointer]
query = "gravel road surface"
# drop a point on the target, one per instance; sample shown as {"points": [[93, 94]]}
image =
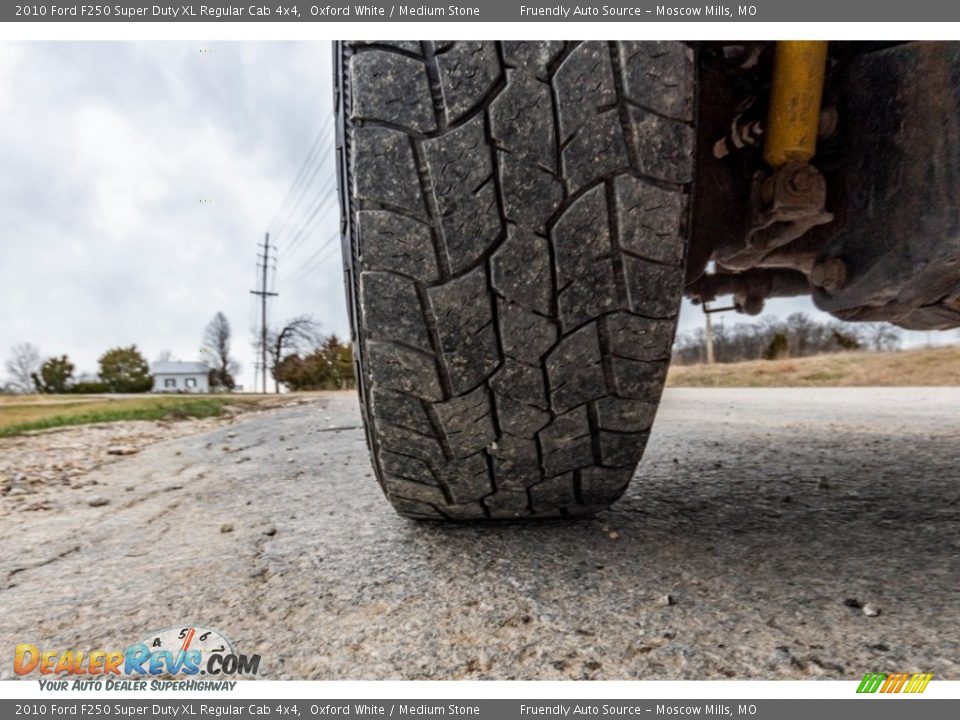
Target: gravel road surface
{"points": [[774, 534]]}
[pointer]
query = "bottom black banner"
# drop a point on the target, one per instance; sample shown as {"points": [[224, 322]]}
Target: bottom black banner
{"points": [[870, 707]]}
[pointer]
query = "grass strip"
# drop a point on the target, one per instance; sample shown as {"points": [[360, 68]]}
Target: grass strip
{"points": [[164, 410]]}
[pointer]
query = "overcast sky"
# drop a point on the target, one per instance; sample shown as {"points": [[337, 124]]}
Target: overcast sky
{"points": [[136, 180], [108, 150]]}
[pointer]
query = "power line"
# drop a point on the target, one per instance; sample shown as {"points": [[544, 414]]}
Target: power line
{"points": [[301, 174], [323, 197], [297, 180], [301, 194], [309, 265], [309, 271]]}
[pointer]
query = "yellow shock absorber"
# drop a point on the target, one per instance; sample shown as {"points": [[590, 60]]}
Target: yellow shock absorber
{"points": [[799, 67]]}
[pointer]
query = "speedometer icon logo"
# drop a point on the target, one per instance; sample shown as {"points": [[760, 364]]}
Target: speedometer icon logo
{"points": [[181, 640]]}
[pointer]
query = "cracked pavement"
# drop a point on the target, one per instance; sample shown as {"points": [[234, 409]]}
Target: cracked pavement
{"points": [[769, 517]]}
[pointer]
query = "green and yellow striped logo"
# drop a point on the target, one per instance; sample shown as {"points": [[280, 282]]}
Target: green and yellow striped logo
{"points": [[894, 683]]}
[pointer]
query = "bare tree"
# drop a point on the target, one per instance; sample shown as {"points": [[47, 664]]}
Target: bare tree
{"points": [[880, 336], [164, 356], [300, 333], [23, 363], [216, 340], [765, 338], [801, 334]]}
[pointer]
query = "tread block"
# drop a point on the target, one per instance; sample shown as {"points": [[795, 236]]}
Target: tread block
{"points": [[531, 195], [583, 84], [472, 228], [467, 422], [598, 149], [664, 148], [581, 235], [625, 414], [467, 479], [459, 162], [406, 467], [515, 463], [593, 293], [640, 338], [405, 442], [520, 270], [528, 55], [507, 505], [410, 490], [622, 448], [649, 220], [566, 442], [400, 368], [391, 241], [653, 290], [466, 511], [520, 382], [636, 379], [416, 509], [384, 169], [575, 369], [391, 309], [659, 76], [393, 88], [461, 170], [521, 121], [468, 72], [464, 321], [601, 486], [519, 418], [553, 493], [400, 409], [525, 336]]}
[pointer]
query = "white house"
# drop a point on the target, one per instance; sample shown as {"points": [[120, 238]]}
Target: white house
{"points": [[174, 376]]}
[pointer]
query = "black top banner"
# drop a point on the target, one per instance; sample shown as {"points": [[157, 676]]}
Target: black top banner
{"points": [[486, 11]]}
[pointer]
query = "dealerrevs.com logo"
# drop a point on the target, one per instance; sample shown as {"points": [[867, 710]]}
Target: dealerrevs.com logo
{"points": [[183, 652]]}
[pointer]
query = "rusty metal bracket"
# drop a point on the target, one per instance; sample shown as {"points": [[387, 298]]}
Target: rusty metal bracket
{"points": [[786, 205]]}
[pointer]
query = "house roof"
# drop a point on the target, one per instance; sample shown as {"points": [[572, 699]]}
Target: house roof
{"points": [[176, 367]]}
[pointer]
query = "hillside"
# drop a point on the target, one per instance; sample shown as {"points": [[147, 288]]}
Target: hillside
{"points": [[924, 367]]}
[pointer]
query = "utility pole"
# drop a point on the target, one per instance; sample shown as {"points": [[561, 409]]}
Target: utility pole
{"points": [[264, 264], [709, 338]]}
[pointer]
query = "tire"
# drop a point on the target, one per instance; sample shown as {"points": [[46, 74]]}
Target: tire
{"points": [[514, 232]]}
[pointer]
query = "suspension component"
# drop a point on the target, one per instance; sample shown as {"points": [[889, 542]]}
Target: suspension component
{"points": [[749, 289], [790, 198], [793, 117]]}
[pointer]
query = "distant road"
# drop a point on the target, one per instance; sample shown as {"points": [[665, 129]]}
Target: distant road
{"points": [[769, 517]]}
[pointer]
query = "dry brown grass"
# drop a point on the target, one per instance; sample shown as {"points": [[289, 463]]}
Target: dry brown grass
{"points": [[926, 367], [33, 412]]}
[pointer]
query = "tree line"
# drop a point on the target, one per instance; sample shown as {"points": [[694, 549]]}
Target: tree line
{"points": [[772, 339], [300, 357], [121, 370]]}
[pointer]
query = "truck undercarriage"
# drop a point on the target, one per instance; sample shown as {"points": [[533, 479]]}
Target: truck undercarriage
{"points": [[829, 171]]}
